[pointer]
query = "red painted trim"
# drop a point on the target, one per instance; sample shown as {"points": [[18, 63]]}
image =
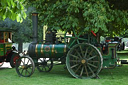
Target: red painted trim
{"points": [[1, 41], [93, 33], [14, 59], [103, 48], [108, 41], [47, 48], [7, 53]]}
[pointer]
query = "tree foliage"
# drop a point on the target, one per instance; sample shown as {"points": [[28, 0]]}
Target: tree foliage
{"points": [[119, 17], [13, 9], [21, 32], [101, 16]]}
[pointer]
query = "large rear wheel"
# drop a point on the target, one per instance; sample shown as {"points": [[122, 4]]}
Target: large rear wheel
{"points": [[84, 61]]}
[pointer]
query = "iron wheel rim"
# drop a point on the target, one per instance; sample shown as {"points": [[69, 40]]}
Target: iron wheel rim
{"points": [[45, 64], [25, 66], [84, 67]]}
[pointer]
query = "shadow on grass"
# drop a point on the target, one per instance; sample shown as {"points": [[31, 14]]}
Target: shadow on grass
{"points": [[116, 73], [57, 71], [60, 72]]}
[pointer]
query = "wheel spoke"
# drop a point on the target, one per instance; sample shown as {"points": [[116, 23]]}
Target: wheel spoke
{"points": [[78, 53], [22, 71], [85, 55], [90, 52], [91, 70], [45, 68], [83, 39], [82, 71], [27, 62], [48, 66], [44, 59], [81, 51], [74, 65], [74, 61], [80, 33], [30, 68], [86, 71], [47, 61], [42, 69], [94, 61], [92, 57], [78, 68], [74, 56], [74, 32], [72, 43], [23, 62], [28, 71], [92, 65], [40, 60], [78, 41]]}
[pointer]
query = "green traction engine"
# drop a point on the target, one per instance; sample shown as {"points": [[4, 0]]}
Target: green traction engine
{"points": [[83, 55]]}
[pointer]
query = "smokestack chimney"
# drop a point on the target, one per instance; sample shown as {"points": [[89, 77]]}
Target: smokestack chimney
{"points": [[35, 27]]}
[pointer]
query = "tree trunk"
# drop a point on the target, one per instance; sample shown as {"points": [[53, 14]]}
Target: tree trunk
{"points": [[98, 37], [20, 46]]}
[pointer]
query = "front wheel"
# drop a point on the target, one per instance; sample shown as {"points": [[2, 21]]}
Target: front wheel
{"points": [[25, 66], [84, 61], [14, 57]]}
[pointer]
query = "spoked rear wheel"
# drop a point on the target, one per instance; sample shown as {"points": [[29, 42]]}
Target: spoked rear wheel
{"points": [[25, 66], [45, 64], [84, 61]]}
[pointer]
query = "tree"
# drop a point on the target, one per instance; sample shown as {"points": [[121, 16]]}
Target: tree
{"points": [[13, 9], [101, 16], [119, 15], [21, 32]]}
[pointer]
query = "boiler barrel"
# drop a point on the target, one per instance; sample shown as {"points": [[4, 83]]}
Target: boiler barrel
{"points": [[47, 51]]}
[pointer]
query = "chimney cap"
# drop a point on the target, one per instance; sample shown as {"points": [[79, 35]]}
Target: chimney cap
{"points": [[34, 14]]}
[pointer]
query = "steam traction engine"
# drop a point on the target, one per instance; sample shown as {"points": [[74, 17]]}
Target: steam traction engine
{"points": [[83, 56]]}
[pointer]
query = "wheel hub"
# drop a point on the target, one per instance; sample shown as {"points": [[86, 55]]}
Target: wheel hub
{"points": [[44, 63], [24, 67], [83, 61], [76, 38]]}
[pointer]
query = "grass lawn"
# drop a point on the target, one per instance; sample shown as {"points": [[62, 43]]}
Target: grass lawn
{"points": [[60, 76], [123, 52]]}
